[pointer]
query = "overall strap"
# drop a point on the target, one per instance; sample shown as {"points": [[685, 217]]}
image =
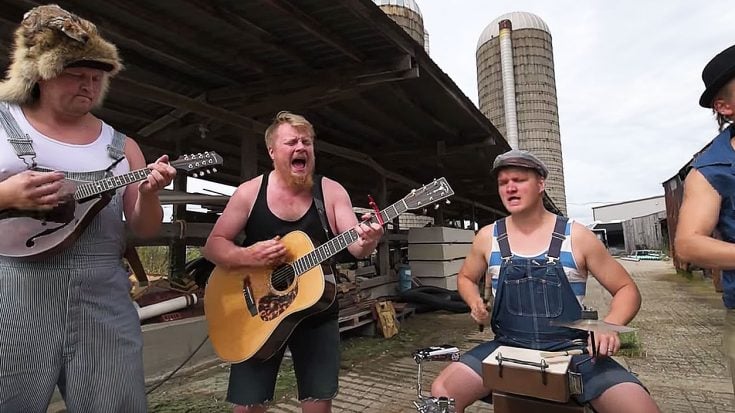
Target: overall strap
{"points": [[557, 238], [318, 195], [503, 243], [21, 142], [116, 148]]}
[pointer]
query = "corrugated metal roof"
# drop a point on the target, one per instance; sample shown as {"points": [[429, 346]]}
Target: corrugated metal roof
{"points": [[211, 75], [519, 19]]}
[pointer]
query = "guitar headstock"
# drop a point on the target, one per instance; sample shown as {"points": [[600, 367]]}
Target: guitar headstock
{"points": [[201, 163], [434, 191]]}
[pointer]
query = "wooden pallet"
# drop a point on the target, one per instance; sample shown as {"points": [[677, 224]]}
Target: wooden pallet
{"points": [[355, 320]]}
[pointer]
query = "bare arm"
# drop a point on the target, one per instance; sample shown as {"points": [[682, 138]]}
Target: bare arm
{"points": [[698, 216], [345, 219], [221, 248], [142, 207], [472, 271], [612, 276]]}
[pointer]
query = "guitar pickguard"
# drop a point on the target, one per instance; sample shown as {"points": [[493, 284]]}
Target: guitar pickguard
{"points": [[271, 306]]}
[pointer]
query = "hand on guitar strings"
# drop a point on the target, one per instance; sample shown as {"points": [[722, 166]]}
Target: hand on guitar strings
{"points": [[369, 233], [161, 175], [32, 190], [267, 253]]}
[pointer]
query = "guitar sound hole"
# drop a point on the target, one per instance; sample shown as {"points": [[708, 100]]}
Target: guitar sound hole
{"points": [[282, 277]]}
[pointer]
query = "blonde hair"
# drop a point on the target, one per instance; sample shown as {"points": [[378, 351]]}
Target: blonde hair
{"points": [[297, 121]]}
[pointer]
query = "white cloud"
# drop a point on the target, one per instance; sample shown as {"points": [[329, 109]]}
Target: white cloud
{"points": [[628, 77]]}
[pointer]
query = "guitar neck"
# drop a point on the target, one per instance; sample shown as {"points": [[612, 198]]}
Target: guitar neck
{"points": [[95, 188], [343, 240]]}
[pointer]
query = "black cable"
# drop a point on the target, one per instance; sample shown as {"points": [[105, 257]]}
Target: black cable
{"points": [[165, 379]]}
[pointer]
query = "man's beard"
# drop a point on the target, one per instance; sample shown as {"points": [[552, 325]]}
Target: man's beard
{"points": [[300, 181]]}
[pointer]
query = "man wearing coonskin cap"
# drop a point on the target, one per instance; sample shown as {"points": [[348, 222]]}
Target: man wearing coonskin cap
{"points": [[66, 318]]}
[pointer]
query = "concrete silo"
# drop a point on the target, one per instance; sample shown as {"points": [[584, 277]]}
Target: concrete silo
{"points": [[408, 15], [517, 91]]}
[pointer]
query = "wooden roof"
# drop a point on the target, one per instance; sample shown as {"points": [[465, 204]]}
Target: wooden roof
{"points": [[210, 75]]}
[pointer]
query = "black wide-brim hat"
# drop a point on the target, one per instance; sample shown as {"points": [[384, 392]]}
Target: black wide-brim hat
{"points": [[719, 71]]}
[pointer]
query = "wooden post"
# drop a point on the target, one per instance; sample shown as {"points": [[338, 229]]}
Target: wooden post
{"points": [[177, 247], [384, 244], [248, 157]]}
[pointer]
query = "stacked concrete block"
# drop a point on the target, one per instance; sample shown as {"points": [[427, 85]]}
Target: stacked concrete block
{"points": [[436, 254]]}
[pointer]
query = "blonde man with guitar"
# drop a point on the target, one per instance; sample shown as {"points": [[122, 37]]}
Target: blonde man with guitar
{"points": [[289, 198], [66, 318]]}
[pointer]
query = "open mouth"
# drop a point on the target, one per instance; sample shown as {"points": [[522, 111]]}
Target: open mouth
{"points": [[298, 164], [514, 199]]}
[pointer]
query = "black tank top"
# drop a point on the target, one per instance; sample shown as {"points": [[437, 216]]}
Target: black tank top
{"points": [[263, 224]]}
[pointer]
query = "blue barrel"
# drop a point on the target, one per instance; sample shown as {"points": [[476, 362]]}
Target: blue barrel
{"points": [[404, 278]]}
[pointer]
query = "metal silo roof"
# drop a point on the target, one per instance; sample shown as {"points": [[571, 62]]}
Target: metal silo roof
{"points": [[519, 19], [409, 4]]}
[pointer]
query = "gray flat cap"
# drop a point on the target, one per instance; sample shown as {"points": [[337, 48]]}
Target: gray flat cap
{"points": [[521, 158]]}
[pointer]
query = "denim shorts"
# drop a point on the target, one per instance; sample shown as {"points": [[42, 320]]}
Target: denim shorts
{"points": [[314, 346], [598, 375]]}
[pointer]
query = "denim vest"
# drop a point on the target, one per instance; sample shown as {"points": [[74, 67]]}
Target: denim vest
{"points": [[717, 164], [532, 292]]}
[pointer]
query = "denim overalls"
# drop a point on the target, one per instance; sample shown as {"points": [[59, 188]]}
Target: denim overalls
{"points": [[68, 319], [531, 292]]}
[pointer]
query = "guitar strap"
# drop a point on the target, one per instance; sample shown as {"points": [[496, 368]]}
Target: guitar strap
{"points": [[23, 144], [318, 195]]}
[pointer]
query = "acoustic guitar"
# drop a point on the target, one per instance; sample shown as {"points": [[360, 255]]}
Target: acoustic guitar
{"points": [[251, 312], [31, 234]]}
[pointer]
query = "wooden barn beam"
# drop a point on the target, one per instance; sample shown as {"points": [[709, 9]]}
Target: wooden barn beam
{"points": [[313, 27], [369, 73]]}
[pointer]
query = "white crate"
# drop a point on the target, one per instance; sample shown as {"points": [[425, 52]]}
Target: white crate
{"points": [[439, 235], [437, 252], [435, 268]]}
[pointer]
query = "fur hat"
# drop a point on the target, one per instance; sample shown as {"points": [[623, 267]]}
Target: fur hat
{"points": [[48, 40]]}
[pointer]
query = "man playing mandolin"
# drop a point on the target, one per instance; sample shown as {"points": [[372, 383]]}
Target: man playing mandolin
{"points": [[267, 207], [539, 264], [67, 319]]}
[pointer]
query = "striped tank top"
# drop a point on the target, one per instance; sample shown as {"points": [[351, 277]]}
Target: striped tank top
{"points": [[577, 280]]}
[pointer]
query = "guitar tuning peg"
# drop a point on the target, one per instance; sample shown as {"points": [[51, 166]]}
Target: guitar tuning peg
{"points": [[208, 171], [436, 206], [447, 202], [423, 211], [214, 169]]}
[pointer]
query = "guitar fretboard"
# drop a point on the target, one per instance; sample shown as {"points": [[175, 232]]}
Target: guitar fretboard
{"points": [[342, 241], [95, 188]]}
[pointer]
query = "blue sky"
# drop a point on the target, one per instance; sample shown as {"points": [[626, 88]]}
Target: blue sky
{"points": [[628, 78]]}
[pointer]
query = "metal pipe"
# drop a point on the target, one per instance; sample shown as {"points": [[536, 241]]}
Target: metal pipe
{"points": [[509, 84]]}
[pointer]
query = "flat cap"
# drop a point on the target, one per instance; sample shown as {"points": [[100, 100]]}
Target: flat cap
{"points": [[520, 158]]}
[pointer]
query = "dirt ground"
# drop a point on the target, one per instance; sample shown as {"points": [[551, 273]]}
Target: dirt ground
{"points": [[677, 353]]}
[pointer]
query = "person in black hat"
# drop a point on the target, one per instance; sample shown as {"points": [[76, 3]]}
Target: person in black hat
{"points": [[67, 320], [709, 193], [538, 264]]}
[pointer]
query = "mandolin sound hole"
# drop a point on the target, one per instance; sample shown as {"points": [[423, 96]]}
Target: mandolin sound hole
{"points": [[282, 277]]}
